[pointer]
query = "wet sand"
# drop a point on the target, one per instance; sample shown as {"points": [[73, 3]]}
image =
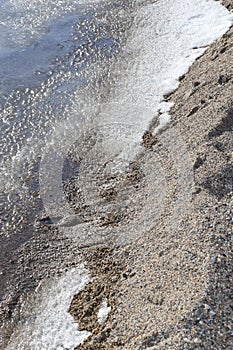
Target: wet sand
{"points": [[171, 288]]}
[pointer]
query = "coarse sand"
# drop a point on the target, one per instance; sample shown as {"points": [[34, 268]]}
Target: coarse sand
{"points": [[171, 287]]}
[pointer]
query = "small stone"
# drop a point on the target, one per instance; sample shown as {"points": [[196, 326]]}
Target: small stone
{"points": [[212, 313], [196, 340]]}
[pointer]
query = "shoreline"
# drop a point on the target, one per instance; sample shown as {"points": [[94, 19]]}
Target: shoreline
{"points": [[157, 285], [186, 271]]}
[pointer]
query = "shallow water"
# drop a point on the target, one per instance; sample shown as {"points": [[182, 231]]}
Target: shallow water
{"points": [[44, 76], [52, 57], [80, 83]]}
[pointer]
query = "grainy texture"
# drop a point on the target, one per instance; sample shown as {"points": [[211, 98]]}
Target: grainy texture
{"points": [[172, 287], [228, 4]]}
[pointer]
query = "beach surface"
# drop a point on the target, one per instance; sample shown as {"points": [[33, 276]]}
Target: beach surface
{"points": [[155, 273], [172, 287]]}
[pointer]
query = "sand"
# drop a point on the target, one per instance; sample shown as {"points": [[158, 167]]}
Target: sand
{"points": [[169, 282], [171, 287]]}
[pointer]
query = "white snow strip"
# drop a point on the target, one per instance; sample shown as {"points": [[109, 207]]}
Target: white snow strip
{"points": [[103, 312], [46, 323]]}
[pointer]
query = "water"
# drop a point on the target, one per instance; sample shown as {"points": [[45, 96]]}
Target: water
{"points": [[51, 310], [80, 82], [43, 82], [55, 57]]}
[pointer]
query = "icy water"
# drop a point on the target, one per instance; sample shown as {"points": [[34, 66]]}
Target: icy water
{"points": [[80, 83]]}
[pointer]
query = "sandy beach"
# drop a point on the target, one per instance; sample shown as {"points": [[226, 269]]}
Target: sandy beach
{"points": [[155, 237], [171, 288]]}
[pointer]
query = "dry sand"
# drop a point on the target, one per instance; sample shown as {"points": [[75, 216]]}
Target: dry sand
{"points": [[171, 288]]}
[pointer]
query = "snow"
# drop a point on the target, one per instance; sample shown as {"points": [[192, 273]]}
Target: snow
{"points": [[46, 323], [103, 312]]}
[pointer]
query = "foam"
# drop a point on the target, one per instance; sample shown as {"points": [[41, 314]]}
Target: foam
{"points": [[103, 312], [164, 120], [165, 39], [46, 323]]}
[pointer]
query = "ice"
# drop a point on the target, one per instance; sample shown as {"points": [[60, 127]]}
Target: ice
{"points": [[47, 323]]}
